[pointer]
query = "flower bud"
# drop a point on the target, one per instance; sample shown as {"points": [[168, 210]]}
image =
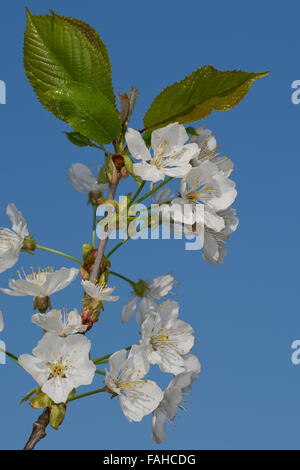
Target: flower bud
{"points": [[112, 172], [89, 316], [118, 161], [124, 172], [94, 196], [141, 288], [42, 303], [29, 245]]}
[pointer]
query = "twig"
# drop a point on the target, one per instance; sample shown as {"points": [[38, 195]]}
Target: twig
{"points": [[103, 241], [38, 430]]}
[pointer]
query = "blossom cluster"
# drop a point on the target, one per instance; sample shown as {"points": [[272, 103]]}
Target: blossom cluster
{"points": [[61, 361]]}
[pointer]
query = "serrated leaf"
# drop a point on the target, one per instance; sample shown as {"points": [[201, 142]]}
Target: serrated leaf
{"points": [[198, 95], [88, 112], [91, 34], [65, 59], [56, 53]]}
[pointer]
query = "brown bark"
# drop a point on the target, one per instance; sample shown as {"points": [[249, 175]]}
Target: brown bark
{"points": [[38, 430]]}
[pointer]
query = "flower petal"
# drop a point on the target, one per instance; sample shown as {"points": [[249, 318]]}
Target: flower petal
{"points": [[19, 224], [128, 310], [136, 145]]}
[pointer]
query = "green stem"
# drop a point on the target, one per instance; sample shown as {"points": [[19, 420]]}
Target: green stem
{"points": [[156, 188], [100, 371], [100, 359], [99, 390], [122, 277], [136, 194], [117, 246], [12, 356], [29, 395], [58, 253]]}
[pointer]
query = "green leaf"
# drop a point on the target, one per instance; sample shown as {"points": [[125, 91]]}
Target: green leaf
{"points": [[102, 175], [57, 415], [198, 95], [87, 111], [191, 130], [68, 67], [147, 137], [78, 139], [91, 34]]}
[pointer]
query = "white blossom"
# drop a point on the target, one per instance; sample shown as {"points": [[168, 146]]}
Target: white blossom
{"points": [[137, 397], [150, 291], [214, 249], [171, 156], [173, 395], [11, 241], [204, 184], [99, 292], [60, 364], [61, 322], [41, 283], [166, 339], [207, 145], [82, 179]]}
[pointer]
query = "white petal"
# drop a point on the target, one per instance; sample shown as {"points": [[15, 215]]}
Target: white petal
{"points": [[59, 280], [35, 367], [145, 308], [212, 220], [183, 211], [128, 310], [138, 401], [148, 172], [178, 171], [169, 311], [116, 362], [18, 222], [81, 178], [74, 324], [58, 389], [161, 286], [136, 145], [192, 364], [210, 249], [164, 139], [158, 426], [82, 375], [51, 321]]}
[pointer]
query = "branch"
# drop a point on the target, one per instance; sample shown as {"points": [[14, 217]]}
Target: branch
{"points": [[103, 241], [38, 430]]}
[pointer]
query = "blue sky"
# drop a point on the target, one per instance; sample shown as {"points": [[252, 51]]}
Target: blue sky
{"points": [[245, 312]]}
